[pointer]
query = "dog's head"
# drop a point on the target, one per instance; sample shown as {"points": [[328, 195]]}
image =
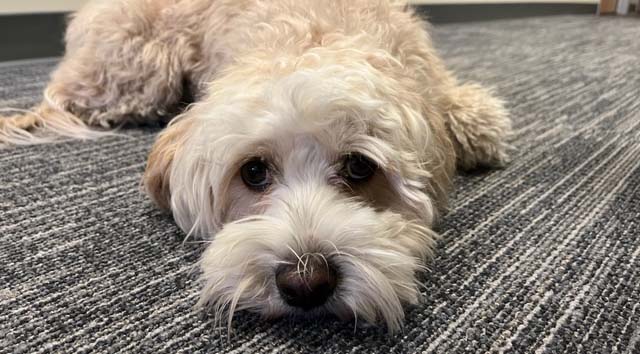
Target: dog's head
{"points": [[316, 184]]}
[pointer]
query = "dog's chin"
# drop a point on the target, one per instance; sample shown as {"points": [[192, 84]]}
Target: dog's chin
{"points": [[377, 256]]}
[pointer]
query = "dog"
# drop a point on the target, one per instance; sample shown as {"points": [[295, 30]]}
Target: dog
{"points": [[319, 149]]}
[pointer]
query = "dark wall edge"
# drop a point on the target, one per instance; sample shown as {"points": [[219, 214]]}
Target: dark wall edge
{"points": [[486, 12], [40, 35], [31, 36]]}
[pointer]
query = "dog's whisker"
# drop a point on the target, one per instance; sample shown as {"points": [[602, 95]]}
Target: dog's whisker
{"points": [[422, 285], [305, 262], [299, 261], [337, 251], [284, 262], [198, 242], [324, 259], [355, 319], [422, 267]]}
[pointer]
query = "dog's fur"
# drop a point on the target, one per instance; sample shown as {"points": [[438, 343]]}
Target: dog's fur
{"points": [[299, 83]]}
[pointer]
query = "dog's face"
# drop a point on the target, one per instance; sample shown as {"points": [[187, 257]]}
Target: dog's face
{"points": [[317, 188]]}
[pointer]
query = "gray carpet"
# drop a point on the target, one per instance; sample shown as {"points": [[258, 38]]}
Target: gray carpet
{"points": [[542, 257]]}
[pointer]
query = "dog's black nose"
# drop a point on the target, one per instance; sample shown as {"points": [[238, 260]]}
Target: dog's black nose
{"points": [[307, 284]]}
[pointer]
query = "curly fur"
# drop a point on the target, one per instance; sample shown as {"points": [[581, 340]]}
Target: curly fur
{"points": [[299, 83]]}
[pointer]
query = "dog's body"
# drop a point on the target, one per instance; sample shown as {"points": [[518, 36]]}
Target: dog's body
{"points": [[319, 151]]}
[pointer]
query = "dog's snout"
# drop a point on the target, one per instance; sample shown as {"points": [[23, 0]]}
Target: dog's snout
{"points": [[307, 284]]}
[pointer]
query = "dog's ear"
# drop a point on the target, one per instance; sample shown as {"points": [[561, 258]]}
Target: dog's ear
{"points": [[156, 179]]}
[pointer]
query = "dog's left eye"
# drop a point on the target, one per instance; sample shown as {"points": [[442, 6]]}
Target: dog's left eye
{"points": [[255, 175], [358, 168]]}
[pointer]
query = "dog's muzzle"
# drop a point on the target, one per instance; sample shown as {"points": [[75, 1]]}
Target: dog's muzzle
{"points": [[307, 284]]}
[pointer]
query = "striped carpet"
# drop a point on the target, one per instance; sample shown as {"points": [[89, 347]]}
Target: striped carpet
{"points": [[541, 257]]}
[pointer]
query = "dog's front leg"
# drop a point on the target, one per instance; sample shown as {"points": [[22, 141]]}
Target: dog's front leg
{"points": [[479, 126]]}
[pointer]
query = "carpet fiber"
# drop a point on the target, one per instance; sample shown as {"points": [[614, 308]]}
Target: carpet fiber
{"points": [[541, 257]]}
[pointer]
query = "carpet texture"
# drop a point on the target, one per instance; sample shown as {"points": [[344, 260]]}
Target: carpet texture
{"points": [[541, 257]]}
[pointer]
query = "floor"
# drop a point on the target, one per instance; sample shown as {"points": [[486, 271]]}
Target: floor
{"points": [[541, 257]]}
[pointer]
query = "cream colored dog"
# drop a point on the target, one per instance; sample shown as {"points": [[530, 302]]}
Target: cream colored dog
{"points": [[319, 151]]}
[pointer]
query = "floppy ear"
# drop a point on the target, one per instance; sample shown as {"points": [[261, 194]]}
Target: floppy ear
{"points": [[156, 179]]}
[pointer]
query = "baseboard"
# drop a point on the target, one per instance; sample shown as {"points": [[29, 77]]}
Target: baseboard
{"points": [[40, 35], [448, 13]]}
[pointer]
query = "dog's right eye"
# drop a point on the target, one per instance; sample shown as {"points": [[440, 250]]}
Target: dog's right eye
{"points": [[255, 175], [358, 168]]}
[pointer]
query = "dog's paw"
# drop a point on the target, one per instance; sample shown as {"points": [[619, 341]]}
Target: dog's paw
{"points": [[479, 126]]}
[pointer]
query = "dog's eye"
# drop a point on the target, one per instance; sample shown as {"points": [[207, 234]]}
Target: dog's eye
{"points": [[358, 168], [256, 175]]}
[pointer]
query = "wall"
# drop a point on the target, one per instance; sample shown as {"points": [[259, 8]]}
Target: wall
{"points": [[40, 6], [465, 2]]}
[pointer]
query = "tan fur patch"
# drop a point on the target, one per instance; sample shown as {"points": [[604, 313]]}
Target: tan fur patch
{"points": [[156, 179]]}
